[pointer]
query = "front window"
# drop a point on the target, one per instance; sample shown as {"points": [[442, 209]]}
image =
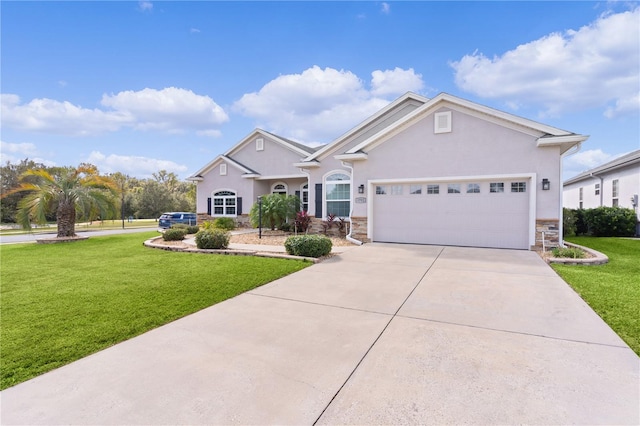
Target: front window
{"points": [[279, 188], [338, 194], [614, 188], [224, 203], [304, 192]]}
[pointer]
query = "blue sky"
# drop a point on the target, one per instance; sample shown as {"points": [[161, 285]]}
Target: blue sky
{"points": [[137, 87]]}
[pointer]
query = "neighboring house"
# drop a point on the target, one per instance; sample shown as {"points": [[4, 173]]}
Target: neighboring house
{"points": [[442, 171], [616, 183]]}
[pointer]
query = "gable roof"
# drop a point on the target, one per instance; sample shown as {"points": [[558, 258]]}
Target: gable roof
{"points": [[197, 176], [618, 163], [298, 148], [550, 135], [335, 144]]}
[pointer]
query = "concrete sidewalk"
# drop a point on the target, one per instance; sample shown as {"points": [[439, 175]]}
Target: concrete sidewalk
{"points": [[382, 334]]}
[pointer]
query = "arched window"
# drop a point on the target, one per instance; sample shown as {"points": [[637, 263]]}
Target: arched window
{"points": [[338, 194], [304, 197], [279, 188], [224, 203]]}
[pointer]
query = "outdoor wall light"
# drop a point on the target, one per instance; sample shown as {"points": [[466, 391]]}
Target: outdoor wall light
{"points": [[546, 185], [361, 189]]}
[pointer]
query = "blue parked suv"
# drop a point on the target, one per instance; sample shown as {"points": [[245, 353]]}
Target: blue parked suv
{"points": [[171, 218]]}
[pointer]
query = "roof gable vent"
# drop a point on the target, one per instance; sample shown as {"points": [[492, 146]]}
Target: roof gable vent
{"points": [[442, 122]]}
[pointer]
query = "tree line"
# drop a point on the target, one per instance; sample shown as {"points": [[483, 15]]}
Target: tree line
{"points": [[134, 197]]}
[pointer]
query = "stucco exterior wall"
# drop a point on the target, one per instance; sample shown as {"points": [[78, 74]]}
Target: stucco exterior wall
{"points": [[233, 181], [274, 159], [475, 147], [628, 186]]}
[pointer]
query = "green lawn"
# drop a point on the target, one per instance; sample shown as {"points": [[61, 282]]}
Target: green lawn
{"points": [[61, 302], [613, 289], [96, 225]]}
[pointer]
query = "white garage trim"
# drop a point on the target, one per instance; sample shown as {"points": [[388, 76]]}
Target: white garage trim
{"points": [[531, 177]]}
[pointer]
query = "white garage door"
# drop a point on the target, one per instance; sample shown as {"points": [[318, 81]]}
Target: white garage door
{"points": [[463, 213]]}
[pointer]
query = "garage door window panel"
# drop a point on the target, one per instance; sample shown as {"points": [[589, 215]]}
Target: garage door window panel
{"points": [[496, 187], [453, 188], [433, 189], [473, 188], [415, 189], [518, 186]]}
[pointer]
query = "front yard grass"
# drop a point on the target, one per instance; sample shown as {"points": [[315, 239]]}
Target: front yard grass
{"points": [[613, 289], [62, 302]]}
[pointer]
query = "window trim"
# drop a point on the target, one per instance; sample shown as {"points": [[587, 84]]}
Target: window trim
{"points": [[260, 144], [224, 205], [286, 188], [223, 169], [326, 183], [304, 189]]}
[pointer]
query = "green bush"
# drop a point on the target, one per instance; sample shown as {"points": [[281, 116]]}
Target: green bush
{"points": [[212, 239], [569, 219], [611, 222], [285, 227], [225, 223], [174, 234], [308, 245], [192, 229], [571, 252]]}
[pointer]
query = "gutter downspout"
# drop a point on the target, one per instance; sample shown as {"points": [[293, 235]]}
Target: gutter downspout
{"points": [[351, 202]]}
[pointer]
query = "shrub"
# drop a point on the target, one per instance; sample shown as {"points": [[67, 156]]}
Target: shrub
{"points": [[225, 223], [212, 239], [192, 229], [303, 221], [308, 245], [174, 234], [285, 227], [569, 219], [611, 222], [571, 252]]}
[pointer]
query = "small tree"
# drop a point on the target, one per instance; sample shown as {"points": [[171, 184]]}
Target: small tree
{"points": [[276, 210], [80, 190]]}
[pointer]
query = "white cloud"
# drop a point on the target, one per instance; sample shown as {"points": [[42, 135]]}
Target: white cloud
{"points": [[16, 152], [194, 30], [385, 8], [582, 161], [392, 82], [319, 104], [51, 116], [595, 66], [171, 110], [145, 6], [133, 165]]}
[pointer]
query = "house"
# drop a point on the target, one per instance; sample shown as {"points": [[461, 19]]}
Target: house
{"points": [[442, 171], [616, 183]]}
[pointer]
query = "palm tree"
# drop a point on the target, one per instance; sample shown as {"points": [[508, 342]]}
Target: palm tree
{"points": [[80, 190]]}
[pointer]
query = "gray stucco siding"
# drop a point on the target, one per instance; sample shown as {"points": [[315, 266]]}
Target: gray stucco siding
{"points": [[274, 159], [475, 147]]}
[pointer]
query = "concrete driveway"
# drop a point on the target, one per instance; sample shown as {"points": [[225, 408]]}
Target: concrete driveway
{"points": [[382, 334]]}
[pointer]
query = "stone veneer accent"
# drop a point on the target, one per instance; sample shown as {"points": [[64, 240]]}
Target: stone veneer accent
{"points": [[551, 229]]}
